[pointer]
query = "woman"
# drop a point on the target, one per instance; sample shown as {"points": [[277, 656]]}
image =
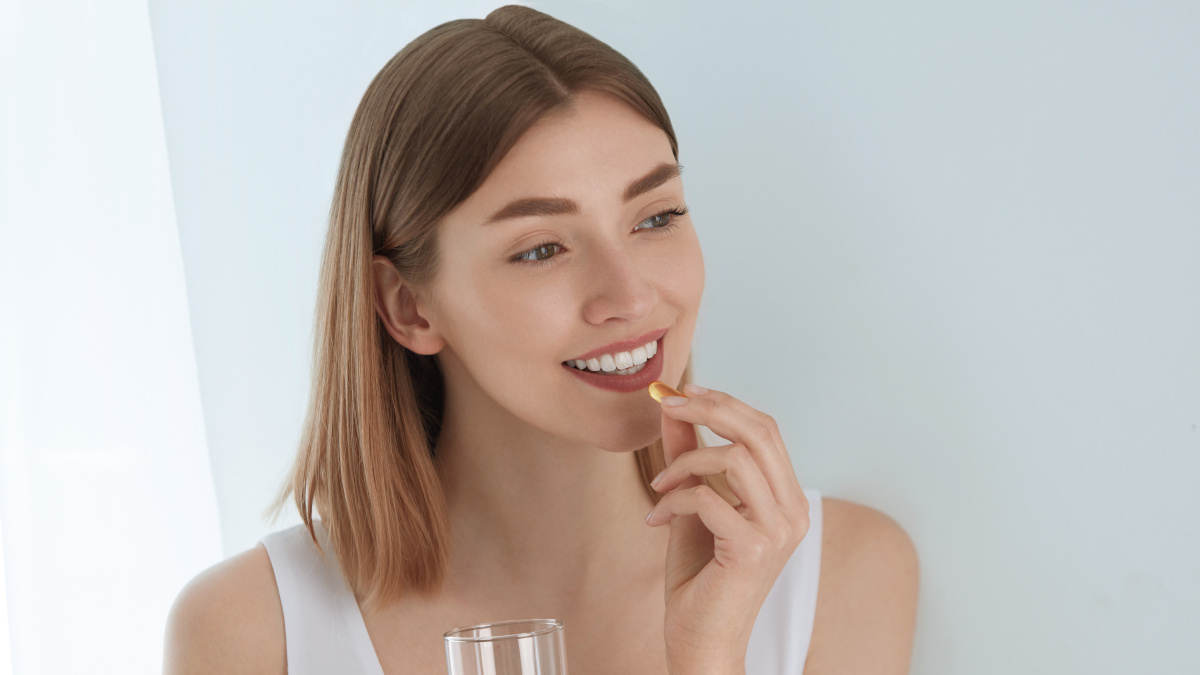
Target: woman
{"points": [[510, 262]]}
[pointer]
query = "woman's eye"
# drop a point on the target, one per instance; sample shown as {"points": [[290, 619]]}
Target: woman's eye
{"points": [[546, 253], [542, 252], [664, 220], [657, 220]]}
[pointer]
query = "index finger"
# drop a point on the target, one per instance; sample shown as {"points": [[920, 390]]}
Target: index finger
{"points": [[680, 437], [736, 421]]}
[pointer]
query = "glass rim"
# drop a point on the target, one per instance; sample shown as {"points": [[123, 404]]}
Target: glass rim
{"points": [[549, 626]]}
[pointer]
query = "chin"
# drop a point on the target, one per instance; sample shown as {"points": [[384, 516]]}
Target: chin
{"points": [[633, 435]]}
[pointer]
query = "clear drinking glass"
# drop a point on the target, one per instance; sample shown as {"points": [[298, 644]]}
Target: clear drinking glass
{"points": [[518, 647]]}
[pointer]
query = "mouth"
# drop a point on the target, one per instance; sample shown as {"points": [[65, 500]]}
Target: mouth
{"points": [[626, 370], [618, 363]]}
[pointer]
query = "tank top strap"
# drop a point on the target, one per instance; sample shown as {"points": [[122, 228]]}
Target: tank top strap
{"points": [[323, 626], [782, 632]]}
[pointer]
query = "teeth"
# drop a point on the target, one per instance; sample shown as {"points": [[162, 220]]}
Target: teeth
{"points": [[620, 363], [630, 371]]}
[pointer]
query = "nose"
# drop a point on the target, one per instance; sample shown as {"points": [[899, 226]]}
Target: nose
{"points": [[618, 285]]}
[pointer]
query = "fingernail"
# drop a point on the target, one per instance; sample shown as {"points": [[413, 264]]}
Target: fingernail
{"points": [[695, 389], [647, 520], [654, 483], [674, 400]]}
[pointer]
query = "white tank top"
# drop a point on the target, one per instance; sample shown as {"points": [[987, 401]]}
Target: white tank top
{"points": [[325, 632]]}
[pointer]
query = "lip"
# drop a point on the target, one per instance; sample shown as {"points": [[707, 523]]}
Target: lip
{"points": [[625, 383], [627, 345]]}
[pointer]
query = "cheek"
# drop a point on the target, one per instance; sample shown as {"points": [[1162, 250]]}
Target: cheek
{"points": [[519, 327], [697, 272], [683, 290], [506, 328], [682, 272]]}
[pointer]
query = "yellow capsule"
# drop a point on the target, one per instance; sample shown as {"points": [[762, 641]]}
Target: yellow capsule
{"points": [[660, 389]]}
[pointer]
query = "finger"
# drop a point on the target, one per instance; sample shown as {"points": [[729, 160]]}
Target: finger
{"points": [[735, 537], [738, 422], [678, 437], [695, 391], [741, 472], [718, 484], [719, 517]]}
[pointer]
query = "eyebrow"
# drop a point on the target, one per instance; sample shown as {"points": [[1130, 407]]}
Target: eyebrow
{"points": [[554, 206]]}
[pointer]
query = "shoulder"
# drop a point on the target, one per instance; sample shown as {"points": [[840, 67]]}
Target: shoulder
{"points": [[228, 619], [867, 594], [856, 533]]}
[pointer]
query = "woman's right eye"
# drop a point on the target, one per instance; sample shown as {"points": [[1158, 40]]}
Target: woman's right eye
{"points": [[538, 255]]}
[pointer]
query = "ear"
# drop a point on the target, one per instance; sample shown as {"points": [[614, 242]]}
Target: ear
{"points": [[401, 312]]}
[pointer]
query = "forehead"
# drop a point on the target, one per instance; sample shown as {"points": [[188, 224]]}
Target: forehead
{"points": [[588, 152]]}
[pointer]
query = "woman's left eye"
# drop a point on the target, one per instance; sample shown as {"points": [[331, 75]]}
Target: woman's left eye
{"points": [[664, 220], [540, 255]]}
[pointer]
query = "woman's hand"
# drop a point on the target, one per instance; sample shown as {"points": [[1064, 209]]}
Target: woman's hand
{"points": [[722, 560]]}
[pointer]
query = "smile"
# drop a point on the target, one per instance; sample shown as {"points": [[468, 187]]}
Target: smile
{"points": [[629, 367], [618, 363]]}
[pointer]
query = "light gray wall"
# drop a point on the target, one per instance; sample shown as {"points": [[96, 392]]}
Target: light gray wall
{"points": [[951, 247]]}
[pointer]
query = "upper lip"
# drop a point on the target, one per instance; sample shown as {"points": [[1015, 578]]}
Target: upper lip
{"points": [[623, 346]]}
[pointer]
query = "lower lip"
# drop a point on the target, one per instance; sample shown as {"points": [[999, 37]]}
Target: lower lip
{"points": [[624, 383]]}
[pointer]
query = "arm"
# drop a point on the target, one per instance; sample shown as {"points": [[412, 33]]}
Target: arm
{"points": [[867, 598], [228, 620]]}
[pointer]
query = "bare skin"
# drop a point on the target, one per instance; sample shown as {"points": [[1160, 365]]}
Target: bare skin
{"points": [[229, 618], [545, 500]]}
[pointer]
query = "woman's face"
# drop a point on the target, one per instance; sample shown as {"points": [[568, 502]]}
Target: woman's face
{"points": [[516, 298]]}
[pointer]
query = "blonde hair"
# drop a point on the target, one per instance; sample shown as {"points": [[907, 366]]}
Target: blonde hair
{"points": [[431, 126]]}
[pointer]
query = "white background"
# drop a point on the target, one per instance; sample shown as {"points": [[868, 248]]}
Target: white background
{"points": [[951, 247], [106, 498]]}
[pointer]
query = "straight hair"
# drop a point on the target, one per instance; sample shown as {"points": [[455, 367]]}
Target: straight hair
{"points": [[432, 125]]}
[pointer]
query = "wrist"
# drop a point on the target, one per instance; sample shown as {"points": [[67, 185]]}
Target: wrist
{"points": [[711, 659], [708, 667]]}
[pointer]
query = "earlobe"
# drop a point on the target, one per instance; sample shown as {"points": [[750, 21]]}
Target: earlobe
{"points": [[398, 308]]}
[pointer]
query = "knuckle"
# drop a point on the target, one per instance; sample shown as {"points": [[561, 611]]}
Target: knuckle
{"points": [[800, 527], [762, 430], [772, 428], [705, 495], [739, 454], [785, 537], [760, 546]]}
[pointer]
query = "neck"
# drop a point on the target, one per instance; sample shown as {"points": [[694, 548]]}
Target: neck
{"points": [[537, 521]]}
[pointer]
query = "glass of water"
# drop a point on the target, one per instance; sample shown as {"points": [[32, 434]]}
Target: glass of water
{"points": [[518, 647]]}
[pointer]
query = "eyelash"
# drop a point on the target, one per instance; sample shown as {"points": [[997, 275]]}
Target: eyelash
{"points": [[674, 213]]}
